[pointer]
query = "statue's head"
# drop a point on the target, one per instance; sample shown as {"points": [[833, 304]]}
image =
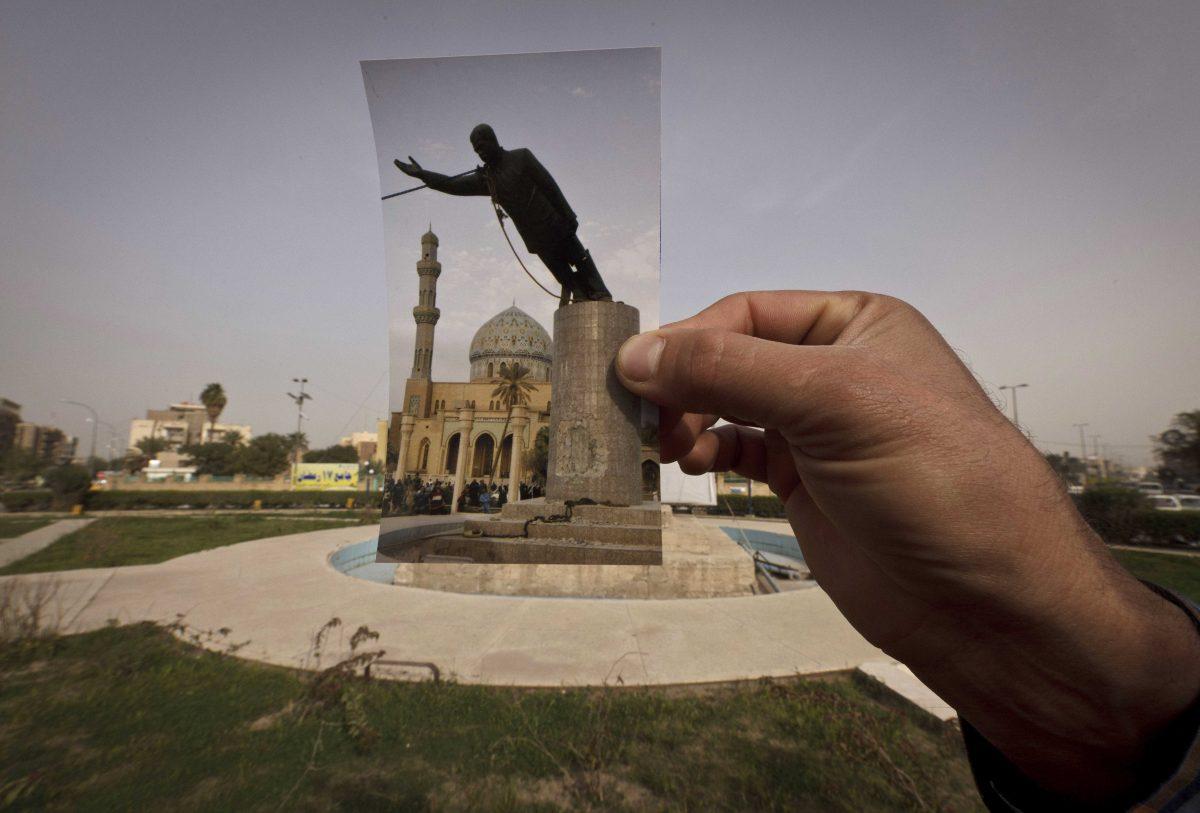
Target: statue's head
{"points": [[483, 141]]}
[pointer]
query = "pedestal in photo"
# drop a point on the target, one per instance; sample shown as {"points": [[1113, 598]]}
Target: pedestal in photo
{"points": [[595, 422]]}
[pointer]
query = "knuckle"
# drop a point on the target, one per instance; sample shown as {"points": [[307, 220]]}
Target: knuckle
{"points": [[701, 363]]}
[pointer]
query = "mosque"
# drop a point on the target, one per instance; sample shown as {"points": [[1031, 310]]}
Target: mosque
{"points": [[425, 437], [450, 430]]}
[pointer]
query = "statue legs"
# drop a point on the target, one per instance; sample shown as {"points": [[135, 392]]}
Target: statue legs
{"points": [[567, 278], [590, 278]]}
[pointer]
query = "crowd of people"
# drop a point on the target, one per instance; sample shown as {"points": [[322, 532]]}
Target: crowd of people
{"points": [[413, 495]]}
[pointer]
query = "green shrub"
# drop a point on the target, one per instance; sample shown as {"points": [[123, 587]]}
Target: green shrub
{"points": [[27, 500], [68, 484], [1113, 511], [1165, 527], [135, 500], [765, 505]]}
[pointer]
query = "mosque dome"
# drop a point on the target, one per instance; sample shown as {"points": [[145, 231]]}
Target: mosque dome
{"points": [[511, 337]]}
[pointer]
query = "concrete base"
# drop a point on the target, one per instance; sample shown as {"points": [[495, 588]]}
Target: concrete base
{"points": [[696, 561]]}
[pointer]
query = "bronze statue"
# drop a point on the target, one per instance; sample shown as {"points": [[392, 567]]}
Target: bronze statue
{"points": [[516, 181]]}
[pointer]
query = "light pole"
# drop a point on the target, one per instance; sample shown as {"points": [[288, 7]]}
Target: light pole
{"points": [[1099, 460], [1082, 450], [299, 399], [1014, 388], [112, 434], [95, 421]]}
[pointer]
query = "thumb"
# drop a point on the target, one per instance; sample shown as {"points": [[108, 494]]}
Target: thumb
{"points": [[722, 372]]}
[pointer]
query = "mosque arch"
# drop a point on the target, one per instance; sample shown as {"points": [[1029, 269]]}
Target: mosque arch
{"points": [[505, 456], [485, 450], [452, 453], [650, 475], [423, 455], [490, 373]]}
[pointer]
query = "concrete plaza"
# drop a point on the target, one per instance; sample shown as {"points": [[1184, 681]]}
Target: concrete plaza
{"points": [[273, 595]]}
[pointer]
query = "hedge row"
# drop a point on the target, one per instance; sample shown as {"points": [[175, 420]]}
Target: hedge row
{"points": [[132, 500], [765, 505]]}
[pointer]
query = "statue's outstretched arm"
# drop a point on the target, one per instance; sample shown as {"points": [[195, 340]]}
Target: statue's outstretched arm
{"points": [[472, 183], [545, 181]]}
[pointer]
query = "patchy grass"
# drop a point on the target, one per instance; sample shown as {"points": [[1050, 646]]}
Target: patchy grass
{"points": [[116, 541], [131, 718], [1179, 573], [15, 526]]}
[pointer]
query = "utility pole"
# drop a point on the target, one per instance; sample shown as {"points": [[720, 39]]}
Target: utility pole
{"points": [[299, 399], [1099, 460], [1014, 388], [1082, 450]]}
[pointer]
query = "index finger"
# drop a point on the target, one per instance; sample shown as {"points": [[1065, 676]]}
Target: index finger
{"points": [[792, 317]]}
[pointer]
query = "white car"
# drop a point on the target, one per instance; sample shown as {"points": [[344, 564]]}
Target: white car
{"points": [[1165, 502], [1188, 502]]}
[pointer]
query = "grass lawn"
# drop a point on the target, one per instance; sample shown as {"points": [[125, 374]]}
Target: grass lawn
{"points": [[15, 526], [130, 718], [1179, 573], [115, 541]]}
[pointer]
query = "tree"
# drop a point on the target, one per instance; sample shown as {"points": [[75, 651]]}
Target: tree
{"points": [[233, 438], [511, 389], [1071, 469], [214, 400], [151, 446], [220, 459], [21, 465], [1178, 448], [265, 455], [68, 483], [332, 454]]}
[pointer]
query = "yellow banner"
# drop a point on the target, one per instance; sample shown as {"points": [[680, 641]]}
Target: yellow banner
{"points": [[325, 476]]}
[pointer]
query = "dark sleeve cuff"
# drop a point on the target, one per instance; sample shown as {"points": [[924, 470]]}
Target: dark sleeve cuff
{"points": [[1171, 782]]}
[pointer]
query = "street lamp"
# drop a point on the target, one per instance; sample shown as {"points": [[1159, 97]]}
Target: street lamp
{"points": [[1014, 388], [95, 421]]}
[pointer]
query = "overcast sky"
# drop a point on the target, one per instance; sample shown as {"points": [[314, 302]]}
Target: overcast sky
{"points": [[590, 117], [189, 191]]}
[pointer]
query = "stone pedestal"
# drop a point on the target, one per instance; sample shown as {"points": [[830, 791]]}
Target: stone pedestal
{"points": [[594, 421]]}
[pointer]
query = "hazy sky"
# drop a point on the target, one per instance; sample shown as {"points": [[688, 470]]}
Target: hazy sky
{"points": [[590, 117], [189, 191]]}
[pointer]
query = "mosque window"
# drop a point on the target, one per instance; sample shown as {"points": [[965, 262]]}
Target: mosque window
{"points": [[489, 372]]}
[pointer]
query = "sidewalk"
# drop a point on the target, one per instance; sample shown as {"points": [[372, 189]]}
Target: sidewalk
{"points": [[275, 594], [21, 546]]}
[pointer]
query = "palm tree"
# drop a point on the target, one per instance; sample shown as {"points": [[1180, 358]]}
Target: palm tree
{"points": [[214, 400], [511, 389]]}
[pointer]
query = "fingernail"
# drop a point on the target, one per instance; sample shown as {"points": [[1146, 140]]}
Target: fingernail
{"points": [[638, 358]]}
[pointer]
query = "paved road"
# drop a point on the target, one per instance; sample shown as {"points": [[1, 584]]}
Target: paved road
{"points": [[274, 594], [21, 546]]}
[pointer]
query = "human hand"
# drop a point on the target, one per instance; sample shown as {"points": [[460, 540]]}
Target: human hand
{"points": [[412, 169], [933, 524]]}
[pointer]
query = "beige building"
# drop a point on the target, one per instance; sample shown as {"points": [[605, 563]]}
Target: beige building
{"points": [[181, 425], [47, 442], [424, 439], [366, 445]]}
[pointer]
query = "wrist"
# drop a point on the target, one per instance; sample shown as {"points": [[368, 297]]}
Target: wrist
{"points": [[1076, 689]]}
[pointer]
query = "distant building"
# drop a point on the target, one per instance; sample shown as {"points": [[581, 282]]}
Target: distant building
{"points": [[366, 444], [181, 425], [47, 442], [10, 416]]}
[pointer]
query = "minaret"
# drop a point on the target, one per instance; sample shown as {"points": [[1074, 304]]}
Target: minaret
{"points": [[426, 313], [418, 390]]}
